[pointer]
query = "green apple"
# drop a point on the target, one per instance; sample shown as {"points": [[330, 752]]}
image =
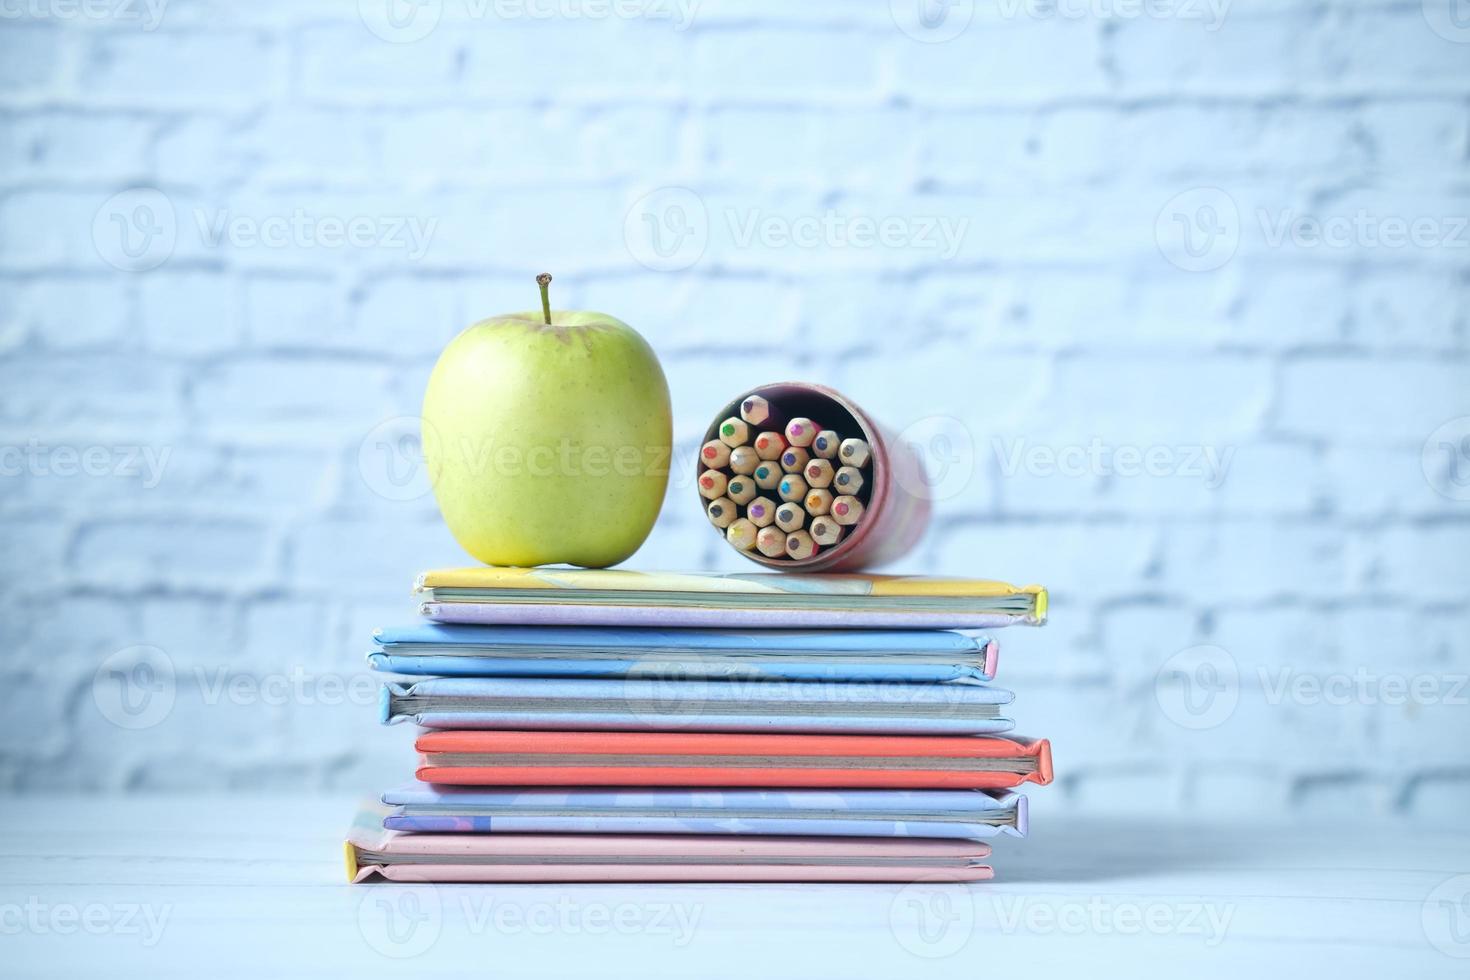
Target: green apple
{"points": [[547, 437]]}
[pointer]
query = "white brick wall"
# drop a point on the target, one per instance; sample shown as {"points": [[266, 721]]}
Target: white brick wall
{"points": [[261, 368]]}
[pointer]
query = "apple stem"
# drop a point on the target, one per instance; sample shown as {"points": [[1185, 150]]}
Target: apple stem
{"points": [[544, 281]]}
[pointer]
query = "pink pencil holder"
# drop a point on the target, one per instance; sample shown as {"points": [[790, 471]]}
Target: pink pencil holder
{"points": [[896, 504]]}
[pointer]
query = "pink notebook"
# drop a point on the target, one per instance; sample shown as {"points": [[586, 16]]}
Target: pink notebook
{"points": [[398, 856]]}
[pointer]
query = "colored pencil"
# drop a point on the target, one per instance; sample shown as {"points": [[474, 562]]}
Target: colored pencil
{"points": [[799, 545], [818, 502], [743, 459], [734, 432], [849, 480], [853, 452], [791, 487], [741, 534], [755, 410], [767, 475], [847, 510], [770, 445], [740, 489], [825, 531], [818, 473], [722, 512], [793, 459], [801, 431], [714, 454], [761, 511], [826, 443], [712, 484], [790, 517], [771, 542]]}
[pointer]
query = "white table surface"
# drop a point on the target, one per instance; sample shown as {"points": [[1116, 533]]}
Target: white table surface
{"points": [[252, 886]]}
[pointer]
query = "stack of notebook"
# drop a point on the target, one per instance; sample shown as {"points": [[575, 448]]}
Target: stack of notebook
{"points": [[609, 725]]}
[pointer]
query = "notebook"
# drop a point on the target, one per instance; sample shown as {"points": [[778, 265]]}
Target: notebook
{"points": [[951, 814], [598, 597], [454, 650], [485, 758], [646, 704], [372, 851]]}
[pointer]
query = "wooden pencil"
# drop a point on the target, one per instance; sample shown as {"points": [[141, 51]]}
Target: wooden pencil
{"points": [[722, 512], [714, 454], [799, 545], [818, 473], [734, 432], [825, 531], [771, 542], [791, 487], [743, 459], [853, 452], [741, 533], [741, 489], [790, 516], [847, 510], [800, 431], [712, 484], [849, 480], [817, 502], [770, 445], [761, 511]]}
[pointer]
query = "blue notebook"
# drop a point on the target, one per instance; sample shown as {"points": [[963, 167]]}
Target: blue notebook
{"points": [[655, 705], [955, 814], [443, 650]]}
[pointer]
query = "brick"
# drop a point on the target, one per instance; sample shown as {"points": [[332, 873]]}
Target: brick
{"points": [[30, 58], [75, 145], [111, 552], [91, 386], [67, 313], [1420, 562], [1367, 401], [1261, 561], [236, 68], [188, 314], [275, 389], [1005, 61]]}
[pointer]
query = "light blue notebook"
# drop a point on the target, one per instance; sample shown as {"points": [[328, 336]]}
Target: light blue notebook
{"points": [[646, 704], [954, 814], [444, 650]]}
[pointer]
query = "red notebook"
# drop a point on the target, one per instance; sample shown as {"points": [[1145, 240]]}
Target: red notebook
{"points": [[492, 758]]}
